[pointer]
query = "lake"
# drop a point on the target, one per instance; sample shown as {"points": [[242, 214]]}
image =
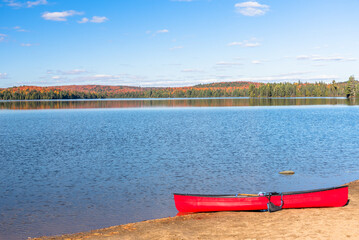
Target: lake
{"points": [[79, 165]]}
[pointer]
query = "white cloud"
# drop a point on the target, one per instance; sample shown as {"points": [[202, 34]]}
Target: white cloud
{"points": [[13, 3], [97, 19], [67, 72], [83, 20], [176, 47], [235, 44], [27, 4], [162, 31], [59, 16], [335, 58], [251, 44], [251, 8], [94, 19], [291, 74], [123, 79], [26, 44], [2, 37], [36, 3], [171, 82], [72, 72], [289, 77], [190, 70], [104, 77], [325, 59], [256, 62], [229, 64], [303, 57], [154, 33], [244, 44], [19, 29], [3, 76], [321, 47]]}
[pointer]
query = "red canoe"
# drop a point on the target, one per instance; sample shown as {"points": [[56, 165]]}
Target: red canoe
{"points": [[328, 197]]}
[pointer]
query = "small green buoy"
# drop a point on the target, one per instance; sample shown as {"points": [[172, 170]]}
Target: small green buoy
{"points": [[287, 172]]}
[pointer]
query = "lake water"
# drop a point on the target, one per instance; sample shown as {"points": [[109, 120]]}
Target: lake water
{"points": [[94, 164]]}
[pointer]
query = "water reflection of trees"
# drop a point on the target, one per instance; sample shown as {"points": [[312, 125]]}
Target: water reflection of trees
{"points": [[207, 102]]}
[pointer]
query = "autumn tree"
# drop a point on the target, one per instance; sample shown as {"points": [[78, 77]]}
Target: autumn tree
{"points": [[350, 88]]}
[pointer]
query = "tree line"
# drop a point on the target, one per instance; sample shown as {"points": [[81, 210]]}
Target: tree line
{"points": [[347, 89]]}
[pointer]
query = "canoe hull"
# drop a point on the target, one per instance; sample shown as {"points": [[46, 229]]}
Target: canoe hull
{"points": [[330, 197]]}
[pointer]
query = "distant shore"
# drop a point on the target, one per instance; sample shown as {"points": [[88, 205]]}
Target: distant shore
{"points": [[216, 89], [315, 223]]}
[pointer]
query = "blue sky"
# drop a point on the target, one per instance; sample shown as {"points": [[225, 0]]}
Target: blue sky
{"points": [[176, 42]]}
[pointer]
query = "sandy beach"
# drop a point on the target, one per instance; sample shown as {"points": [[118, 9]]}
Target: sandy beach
{"points": [[316, 223]]}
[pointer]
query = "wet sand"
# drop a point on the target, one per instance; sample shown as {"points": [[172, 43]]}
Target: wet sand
{"points": [[315, 223]]}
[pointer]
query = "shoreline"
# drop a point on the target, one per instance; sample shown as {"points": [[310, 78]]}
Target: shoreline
{"points": [[308, 223]]}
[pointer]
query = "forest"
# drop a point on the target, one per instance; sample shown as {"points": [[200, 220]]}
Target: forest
{"points": [[349, 89]]}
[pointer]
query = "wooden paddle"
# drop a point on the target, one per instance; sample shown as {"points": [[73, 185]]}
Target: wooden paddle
{"points": [[289, 172], [248, 195]]}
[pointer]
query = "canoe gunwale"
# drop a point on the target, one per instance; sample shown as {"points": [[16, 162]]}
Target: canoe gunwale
{"points": [[239, 196]]}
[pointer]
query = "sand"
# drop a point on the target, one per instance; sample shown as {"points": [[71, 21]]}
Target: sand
{"points": [[314, 223]]}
